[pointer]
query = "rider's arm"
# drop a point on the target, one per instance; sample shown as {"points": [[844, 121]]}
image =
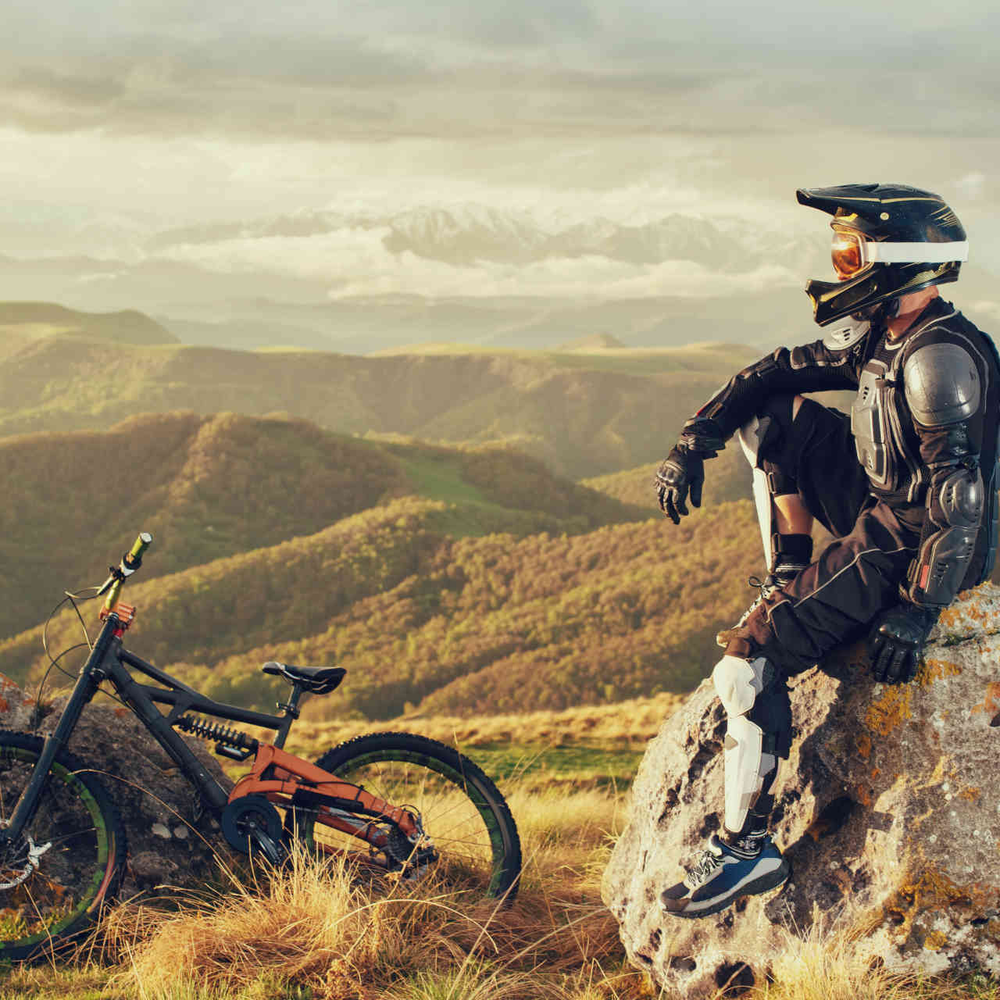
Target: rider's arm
{"points": [[825, 364], [943, 388], [807, 368]]}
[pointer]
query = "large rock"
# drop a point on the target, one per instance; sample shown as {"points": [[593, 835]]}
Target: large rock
{"points": [[171, 840], [887, 811]]}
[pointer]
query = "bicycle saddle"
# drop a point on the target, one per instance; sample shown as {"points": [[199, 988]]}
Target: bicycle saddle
{"points": [[316, 680]]}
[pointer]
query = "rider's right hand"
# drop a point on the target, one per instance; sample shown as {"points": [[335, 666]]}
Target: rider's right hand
{"points": [[680, 473]]}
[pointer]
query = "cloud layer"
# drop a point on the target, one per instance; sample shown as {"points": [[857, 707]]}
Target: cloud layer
{"points": [[122, 120], [324, 69]]}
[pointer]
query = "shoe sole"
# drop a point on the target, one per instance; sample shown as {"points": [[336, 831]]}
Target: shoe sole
{"points": [[763, 884]]}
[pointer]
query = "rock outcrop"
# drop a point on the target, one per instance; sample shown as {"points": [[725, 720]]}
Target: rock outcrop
{"points": [[888, 811], [171, 840]]}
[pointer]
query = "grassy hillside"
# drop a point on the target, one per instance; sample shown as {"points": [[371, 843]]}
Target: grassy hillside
{"points": [[456, 625], [210, 487], [583, 413], [31, 320]]}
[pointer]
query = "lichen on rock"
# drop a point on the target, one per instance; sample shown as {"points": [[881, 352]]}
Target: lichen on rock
{"points": [[880, 810]]}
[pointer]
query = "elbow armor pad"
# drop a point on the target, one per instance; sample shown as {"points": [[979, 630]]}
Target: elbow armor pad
{"points": [[956, 506]]}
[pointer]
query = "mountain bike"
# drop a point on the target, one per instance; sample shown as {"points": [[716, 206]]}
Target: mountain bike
{"points": [[393, 803]]}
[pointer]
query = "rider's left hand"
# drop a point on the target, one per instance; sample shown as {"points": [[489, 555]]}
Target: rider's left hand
{"points": [[896, 641]]}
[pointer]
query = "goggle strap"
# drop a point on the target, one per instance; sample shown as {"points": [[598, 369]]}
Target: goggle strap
{"points": [[914, 253]]}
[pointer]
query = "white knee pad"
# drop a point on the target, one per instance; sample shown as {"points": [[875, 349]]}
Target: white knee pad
{"points": [[738, 682]]}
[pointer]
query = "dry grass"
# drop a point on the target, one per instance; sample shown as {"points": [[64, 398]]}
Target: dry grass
{"points": [[634, 721], [314, 929], [312, 932], [822, 966]]}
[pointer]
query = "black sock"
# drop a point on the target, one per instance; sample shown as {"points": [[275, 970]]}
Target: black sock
{"points": [[750, 838]]}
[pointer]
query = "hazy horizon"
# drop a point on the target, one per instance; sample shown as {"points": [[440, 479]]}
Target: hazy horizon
{"points": [[159, 116]]}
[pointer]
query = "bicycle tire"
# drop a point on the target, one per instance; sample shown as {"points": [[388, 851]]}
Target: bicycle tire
{"points": [[77, 874], [488, 853]]}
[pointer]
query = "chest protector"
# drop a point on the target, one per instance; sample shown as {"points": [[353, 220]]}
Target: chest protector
{"points": [[881, 444], [869, 425]]}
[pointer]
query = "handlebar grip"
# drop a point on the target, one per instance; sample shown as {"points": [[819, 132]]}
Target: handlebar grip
{"points": [[133, 557], [131, 561]]}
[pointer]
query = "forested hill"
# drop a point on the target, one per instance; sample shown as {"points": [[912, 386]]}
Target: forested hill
{"points": [[462, 625], [209, 487], [583, 413], [31, 320]]}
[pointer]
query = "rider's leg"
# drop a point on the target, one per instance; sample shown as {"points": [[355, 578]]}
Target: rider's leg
{"points": [[791, 515], [758, 733], [740, 859], [770, 442]]}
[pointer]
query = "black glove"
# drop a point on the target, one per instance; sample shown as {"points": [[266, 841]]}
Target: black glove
{"points": [[896, 641], [680, 472], [683, 470]]}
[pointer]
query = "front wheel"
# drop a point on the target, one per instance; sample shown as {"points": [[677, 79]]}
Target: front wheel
{"points": [[56, 875], [471, 837]]}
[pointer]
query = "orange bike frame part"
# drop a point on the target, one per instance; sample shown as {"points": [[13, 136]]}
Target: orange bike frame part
{"points": [[291, 774]]}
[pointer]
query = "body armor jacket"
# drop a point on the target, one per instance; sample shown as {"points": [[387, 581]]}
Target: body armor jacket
{"points": [[925, 424]]}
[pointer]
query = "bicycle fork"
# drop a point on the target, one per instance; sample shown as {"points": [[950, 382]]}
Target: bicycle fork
{"points": [[91, 675]]}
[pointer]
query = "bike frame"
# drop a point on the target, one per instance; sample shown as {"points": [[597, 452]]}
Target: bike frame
{"points": [[274, 774]]}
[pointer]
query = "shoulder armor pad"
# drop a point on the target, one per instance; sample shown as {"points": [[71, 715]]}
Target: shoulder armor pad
{"points": [[846, 336], [941, 383]]}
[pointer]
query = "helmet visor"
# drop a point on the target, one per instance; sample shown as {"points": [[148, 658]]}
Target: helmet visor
{"points": [[847, 253]]}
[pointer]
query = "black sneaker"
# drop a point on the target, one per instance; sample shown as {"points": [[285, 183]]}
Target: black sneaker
{"points": [[723, 875]]}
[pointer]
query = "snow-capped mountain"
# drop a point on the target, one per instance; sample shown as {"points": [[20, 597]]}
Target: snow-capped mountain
{"points": [[465, 234]]}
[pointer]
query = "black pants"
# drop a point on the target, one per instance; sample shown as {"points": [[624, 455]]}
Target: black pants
{"points": [[856, 575]]}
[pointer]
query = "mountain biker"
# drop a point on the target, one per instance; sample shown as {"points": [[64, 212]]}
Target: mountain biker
{"points": [[907, 484]]}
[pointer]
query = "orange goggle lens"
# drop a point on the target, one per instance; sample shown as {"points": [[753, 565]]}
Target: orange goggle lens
{"points": [[846, 254]]}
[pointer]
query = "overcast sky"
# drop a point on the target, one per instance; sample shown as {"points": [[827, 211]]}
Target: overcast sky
{"points": [[144, 114]]}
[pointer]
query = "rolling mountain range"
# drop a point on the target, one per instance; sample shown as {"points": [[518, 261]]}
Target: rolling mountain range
{"points": [[419, 567], [308, 524], [461, 606], [209, 487], [582, 413], [466, 233]]}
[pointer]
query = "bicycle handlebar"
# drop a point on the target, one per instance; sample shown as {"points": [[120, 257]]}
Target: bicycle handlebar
{"points": [[131, 561]]}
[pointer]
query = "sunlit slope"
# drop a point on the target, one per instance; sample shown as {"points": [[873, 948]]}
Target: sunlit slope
{"points": [[209, 487], [456, 625], [31, 320], [583, 413]]}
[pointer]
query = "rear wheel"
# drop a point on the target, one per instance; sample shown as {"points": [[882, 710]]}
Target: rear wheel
{"points": [[56, 875], [470, 837]]}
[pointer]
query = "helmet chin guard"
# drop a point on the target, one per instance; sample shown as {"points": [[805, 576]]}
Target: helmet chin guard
{"points": [[904, 239]]}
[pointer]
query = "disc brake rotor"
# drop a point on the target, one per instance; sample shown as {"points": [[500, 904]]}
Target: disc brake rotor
{"points": [[26, 855]]}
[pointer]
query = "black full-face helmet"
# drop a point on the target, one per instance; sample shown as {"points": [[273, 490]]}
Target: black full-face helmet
{"points": [[889, 240]]}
